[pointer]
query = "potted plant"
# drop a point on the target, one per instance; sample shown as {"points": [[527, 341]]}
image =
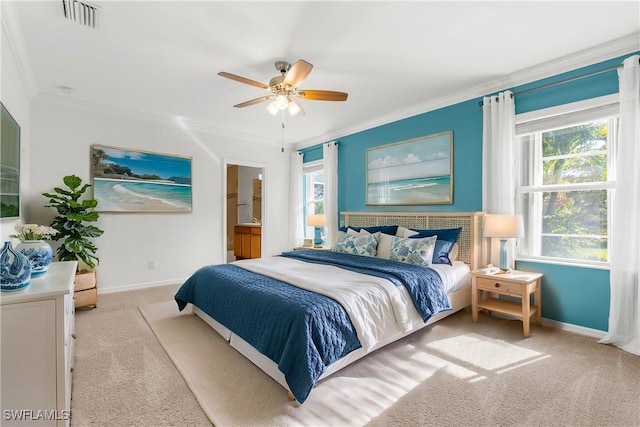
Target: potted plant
{"points": [[75, 231]]}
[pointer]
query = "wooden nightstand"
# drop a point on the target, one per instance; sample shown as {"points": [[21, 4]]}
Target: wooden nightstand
{"points": [[519, 284]]}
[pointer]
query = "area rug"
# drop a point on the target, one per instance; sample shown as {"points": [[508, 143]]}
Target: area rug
{"points": [[443, 360]]}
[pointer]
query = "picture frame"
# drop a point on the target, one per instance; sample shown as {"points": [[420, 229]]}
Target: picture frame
{"points": [[129, 180], [416, 171], [9, 165]]}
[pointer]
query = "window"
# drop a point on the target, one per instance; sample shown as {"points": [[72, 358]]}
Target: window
{"points": [[566, 182], [313, 192]]}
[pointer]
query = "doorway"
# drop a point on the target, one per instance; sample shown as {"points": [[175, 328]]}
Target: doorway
{"points": [[244, 211]]}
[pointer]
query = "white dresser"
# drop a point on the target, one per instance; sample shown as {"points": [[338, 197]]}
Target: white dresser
{"points": [[36, 342]]}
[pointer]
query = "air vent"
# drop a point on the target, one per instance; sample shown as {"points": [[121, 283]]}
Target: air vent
{"points": [[81, 12]]}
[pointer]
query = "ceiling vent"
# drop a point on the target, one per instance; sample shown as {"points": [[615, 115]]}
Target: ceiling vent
{"points": [[83, 13]]}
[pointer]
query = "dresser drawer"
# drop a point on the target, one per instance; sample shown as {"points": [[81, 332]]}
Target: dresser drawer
{"points": [[497, 285]]}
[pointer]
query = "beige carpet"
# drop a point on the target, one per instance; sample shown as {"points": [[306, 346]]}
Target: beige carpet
{"points": [[455, 372]]}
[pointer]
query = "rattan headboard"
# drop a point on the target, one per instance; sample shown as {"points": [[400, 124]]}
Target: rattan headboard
{"points": [[472, 246]]}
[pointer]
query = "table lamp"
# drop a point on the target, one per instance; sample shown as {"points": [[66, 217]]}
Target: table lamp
{"points": [[503, 227], [318, 221]]}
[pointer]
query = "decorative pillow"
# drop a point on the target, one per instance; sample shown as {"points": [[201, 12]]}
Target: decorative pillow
{"points": [[405, 232], [385, 229], [453, 253], [384, 246], [358, 245], [412, 251], [446, 239], [352, 232], [446, 234]]}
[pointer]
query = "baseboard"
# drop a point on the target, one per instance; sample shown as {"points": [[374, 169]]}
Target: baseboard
{"points": [[569, 327], [137, 286], [581, 330]]}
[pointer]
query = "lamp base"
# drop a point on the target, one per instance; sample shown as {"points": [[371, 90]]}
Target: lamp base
{"points": [[317, 241], [504, 263]]}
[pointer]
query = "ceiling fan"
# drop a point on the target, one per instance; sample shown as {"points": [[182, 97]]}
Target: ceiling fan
{"points": [[284, 89]]}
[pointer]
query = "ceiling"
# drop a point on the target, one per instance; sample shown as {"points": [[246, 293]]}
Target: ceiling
{"points": [[161, 58]]}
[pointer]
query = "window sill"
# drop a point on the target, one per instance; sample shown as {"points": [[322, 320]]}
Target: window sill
{"points": [[585, 264]]}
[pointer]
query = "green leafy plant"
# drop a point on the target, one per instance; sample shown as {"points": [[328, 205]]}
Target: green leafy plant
{"points": [[71, 222]]}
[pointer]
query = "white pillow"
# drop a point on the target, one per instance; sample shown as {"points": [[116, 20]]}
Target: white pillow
{"points": [[352, 232], [405, 232], [413, 251], [357, 245], [384, 246], [453, 253]]}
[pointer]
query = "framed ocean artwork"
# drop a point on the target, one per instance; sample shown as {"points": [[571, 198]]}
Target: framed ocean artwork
{"points": [[9, 165], [417, 171], [126, 180]]}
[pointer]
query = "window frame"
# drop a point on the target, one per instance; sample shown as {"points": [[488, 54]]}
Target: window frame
{"points": [[558, 117], [307, 189]]}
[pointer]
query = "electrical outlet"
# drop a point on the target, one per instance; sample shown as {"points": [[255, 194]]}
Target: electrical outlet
{"points": [[152, 264]]}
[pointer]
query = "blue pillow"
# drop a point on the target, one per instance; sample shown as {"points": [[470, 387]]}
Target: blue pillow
{"points": [[385, 229], [446, 234], [446, 239]]}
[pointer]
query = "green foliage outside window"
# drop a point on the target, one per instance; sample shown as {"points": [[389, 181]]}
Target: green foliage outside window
{"points": [[574, 223]]}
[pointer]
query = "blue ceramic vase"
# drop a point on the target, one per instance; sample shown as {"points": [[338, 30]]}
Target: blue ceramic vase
{"points": [[39, 253], [15, 269]]}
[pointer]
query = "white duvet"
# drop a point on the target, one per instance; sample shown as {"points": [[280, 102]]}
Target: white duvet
{"points": [[377, 308]]}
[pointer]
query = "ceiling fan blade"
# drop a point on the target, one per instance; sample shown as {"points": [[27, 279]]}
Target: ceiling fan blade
{"points": [[243, 80], [322, 95], [298, 72], [253, 101]]}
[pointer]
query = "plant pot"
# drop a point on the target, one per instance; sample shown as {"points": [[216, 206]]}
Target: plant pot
{"points": [[85, 289]]}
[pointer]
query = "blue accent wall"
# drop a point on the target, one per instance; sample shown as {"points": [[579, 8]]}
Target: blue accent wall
{"points": [[573, 294], [570, 294]]}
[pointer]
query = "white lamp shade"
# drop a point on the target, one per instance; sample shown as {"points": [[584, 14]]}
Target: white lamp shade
{"points": [[273, 108], [281, 102], [317, 220], [295, 109], [503, 226]]}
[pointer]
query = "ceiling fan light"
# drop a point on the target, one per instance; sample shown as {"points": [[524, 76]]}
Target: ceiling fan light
{"points": [[281, 102], [273, 108], [295, 109]]}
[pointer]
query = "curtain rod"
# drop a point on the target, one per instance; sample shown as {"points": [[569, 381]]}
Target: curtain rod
{"points": [[567, 80]]}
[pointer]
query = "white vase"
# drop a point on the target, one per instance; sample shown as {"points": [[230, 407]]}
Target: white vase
{"points": [[39, 253]]}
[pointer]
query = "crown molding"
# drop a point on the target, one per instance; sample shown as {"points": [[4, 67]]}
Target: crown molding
{"points": [[171, 121], [12, 30], [583, 58]]}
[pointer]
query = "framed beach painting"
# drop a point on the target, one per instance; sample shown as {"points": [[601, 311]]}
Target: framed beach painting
{"points": [[417, 171], [9, 165], [126, 180]]}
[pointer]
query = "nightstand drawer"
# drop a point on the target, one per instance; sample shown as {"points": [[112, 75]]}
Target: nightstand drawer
{"points": [[496, 285]]}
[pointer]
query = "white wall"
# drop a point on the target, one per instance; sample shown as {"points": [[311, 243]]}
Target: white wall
{"points": [[15, 97], [62, 133]]}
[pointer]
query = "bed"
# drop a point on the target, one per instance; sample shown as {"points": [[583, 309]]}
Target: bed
{"points": [[304, 315]]}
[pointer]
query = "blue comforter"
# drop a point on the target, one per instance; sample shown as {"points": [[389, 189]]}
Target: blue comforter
{"points": [[301, 331]]}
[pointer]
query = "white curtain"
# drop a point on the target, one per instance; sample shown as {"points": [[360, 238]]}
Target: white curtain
{"points": [[330, 156], [624, 312], [498, 131], [498, 160], [296, 203]]}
